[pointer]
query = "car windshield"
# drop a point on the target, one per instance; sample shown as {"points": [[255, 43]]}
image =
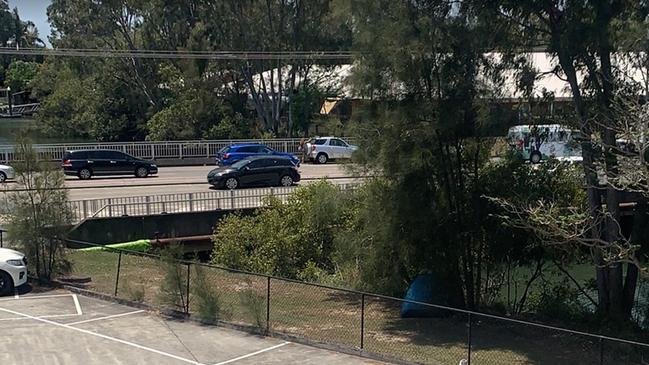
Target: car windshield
{"points": [[240, 164]]}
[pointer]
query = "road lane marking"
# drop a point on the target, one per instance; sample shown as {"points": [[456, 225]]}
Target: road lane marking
{"points": [[109, 338], [103, 318], [252, 354]]}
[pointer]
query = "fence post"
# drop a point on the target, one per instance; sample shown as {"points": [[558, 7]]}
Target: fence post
{"points": [[207, 150], [231, 199], [470, 325], [191, 202], [110, 207], [267, 304], [189, 265], [85, 209], [1, 238], [119, 266], [601, 351], [180, 150], [124, 210], [362, 321], [152, 151]]}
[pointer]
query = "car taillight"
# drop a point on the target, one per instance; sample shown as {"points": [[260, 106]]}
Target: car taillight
{"points": [[67, 163], [226, 155], [313, 148]]}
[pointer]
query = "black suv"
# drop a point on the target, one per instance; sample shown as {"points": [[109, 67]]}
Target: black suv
{"points": [[88, 163], [255, 171]]}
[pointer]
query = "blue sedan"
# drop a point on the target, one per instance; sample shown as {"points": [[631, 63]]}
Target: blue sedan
{"points": [[229, 155]]}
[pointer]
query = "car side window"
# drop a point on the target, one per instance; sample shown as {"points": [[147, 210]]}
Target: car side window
{"points": [[255, 164], [114, 155], [320, 141], [284, 162], [95, 155], [338, 143]]}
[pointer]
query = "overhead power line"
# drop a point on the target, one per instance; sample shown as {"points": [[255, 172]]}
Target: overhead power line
{"points": [[203, 55]]}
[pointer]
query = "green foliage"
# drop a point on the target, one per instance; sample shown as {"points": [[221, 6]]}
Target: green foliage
{"points": [[287, 240], [205, 296], [196, 114], [173, 290], [254, 304], [20, 74], [40, 215], [96, 107]]}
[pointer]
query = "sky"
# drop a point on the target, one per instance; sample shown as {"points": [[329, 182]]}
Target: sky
{"points": [[36, 11]]}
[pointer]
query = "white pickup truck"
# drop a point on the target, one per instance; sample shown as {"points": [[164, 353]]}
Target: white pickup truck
{"points": [[322, 149]]}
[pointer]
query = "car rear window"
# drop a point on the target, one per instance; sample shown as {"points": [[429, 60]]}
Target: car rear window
{"points": [[320, 141]]}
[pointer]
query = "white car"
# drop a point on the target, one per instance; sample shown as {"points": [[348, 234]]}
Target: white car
{"points": [[322, 149], [7, 173], [13, 270]]}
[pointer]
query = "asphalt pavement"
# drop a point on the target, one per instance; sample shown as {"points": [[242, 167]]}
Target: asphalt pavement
{"points": [[188, 179]]}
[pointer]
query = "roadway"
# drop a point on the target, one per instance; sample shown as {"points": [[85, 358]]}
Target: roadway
{"points": [[186, 179]]}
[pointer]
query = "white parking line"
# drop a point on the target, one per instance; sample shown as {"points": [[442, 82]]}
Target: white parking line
{"points": [[102, 336], [76, 304], [252, 354], [47, 316], [103, 318], [36, 297]]}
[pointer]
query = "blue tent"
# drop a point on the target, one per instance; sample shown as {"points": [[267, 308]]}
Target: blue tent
{"points": [[423, 290]]}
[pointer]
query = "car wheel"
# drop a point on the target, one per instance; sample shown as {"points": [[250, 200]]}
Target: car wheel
{"points": [[322, 158], [85, 174], [231, 183], [286, 180], [6, 283], [535, 157], [3, 177], [141, 172]]}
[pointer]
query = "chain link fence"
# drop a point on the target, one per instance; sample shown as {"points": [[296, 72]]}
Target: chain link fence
{"points": [[371, 324]]}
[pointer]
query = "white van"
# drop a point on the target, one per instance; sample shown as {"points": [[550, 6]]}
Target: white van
{"points": [[540, 142]]}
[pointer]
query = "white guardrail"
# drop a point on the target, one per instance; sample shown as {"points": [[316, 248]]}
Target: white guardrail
{"points": [[155, 150]]}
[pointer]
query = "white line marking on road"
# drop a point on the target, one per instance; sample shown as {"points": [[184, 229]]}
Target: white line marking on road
{"points": [[102, 336], [107, 317], [47, 316], [76, 304], [37, 297], [252, 354]]}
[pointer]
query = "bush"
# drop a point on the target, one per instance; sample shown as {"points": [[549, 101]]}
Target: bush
{"points": [[290, 240], [173, 290], [206, 297]]}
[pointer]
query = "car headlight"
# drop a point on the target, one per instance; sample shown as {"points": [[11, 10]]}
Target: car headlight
{"points": [[15, 262]]}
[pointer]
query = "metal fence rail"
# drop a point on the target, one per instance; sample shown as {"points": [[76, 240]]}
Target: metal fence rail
{"points": [[154, 150], [366, 322], [177, 203]]}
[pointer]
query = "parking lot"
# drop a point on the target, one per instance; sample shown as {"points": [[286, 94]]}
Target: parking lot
{"points": [[59, 327]]}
